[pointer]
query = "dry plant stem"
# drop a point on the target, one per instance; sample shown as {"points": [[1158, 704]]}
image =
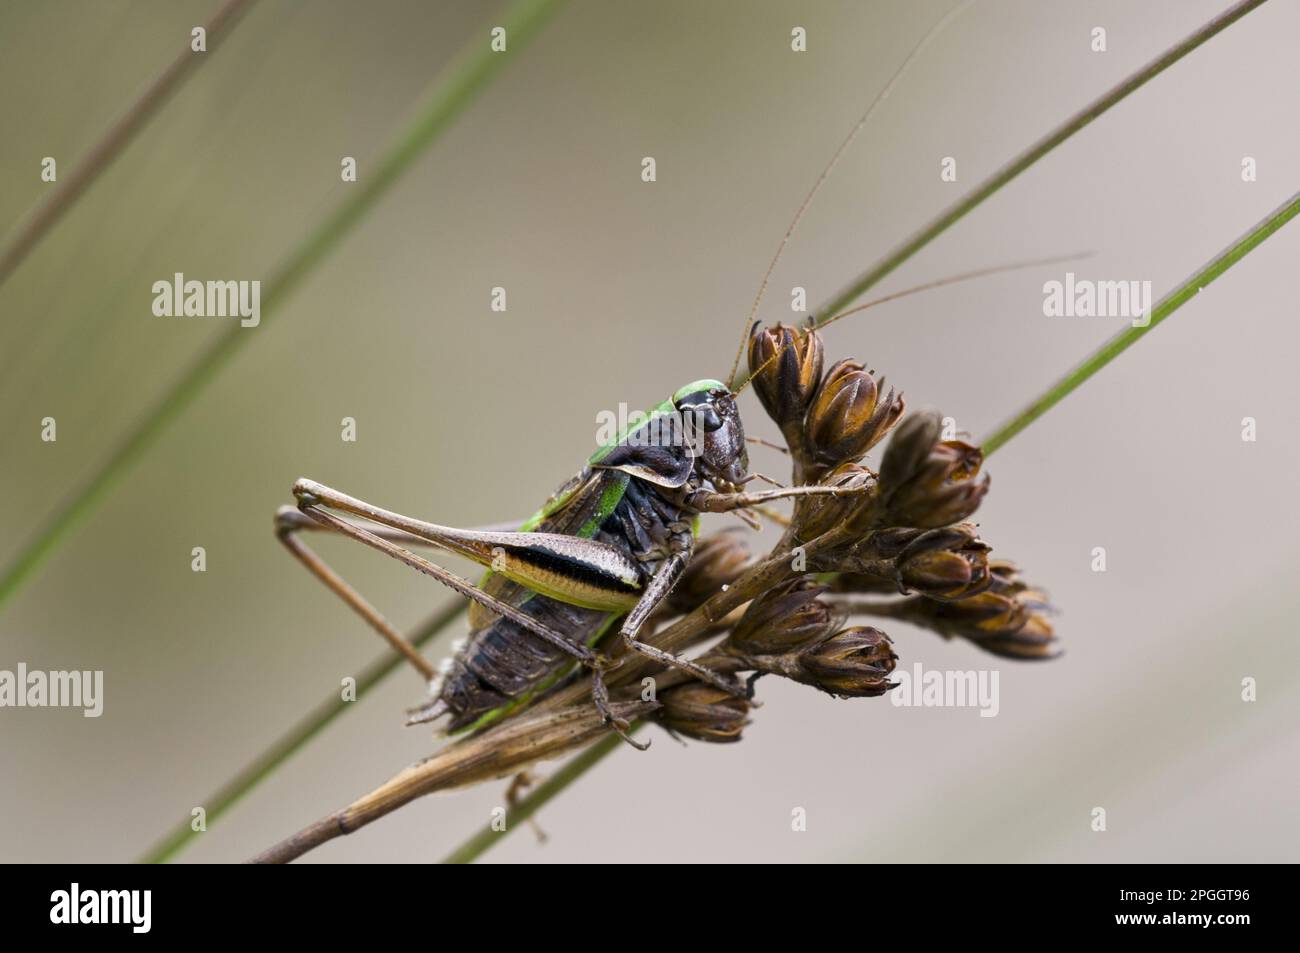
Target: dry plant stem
{"points": [[473, 67], [104, 152], [294, 739], [503, 751]]}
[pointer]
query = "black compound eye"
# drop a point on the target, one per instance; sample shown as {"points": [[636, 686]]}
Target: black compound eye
{"points": [[698, 410], [706, 415]]}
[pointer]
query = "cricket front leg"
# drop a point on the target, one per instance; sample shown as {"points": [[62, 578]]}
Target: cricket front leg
{"points": [[709, 501]]}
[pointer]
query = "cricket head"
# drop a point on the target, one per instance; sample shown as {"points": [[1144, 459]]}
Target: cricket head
{"points": [[709, 410]]}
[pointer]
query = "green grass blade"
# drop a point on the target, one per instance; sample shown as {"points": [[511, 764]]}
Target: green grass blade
{"points": [[1130, 335], [952, 215], [115, 139], [574, 768], [312, 724], [468, 73]]}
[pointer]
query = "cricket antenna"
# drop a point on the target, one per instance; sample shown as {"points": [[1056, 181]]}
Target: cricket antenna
{"points": [[825, 173], [917, 289]]}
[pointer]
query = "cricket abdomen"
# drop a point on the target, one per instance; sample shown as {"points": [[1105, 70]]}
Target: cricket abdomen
{"points": [[505, 664], [501, 664]]}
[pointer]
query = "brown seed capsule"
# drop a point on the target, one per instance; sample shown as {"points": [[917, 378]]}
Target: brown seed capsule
{"points": [[817, 514], [941, 574], [909, 447], [848, 415], [703, 712], [853, 662], [1033, 640], [927, 482], [1008, 619], [718, 561], [783, 620], [947, 563], [785, 385], [950, 562]]}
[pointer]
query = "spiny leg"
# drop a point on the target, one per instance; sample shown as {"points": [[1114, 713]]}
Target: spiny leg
{"points": [[293, 519], [520, 783], [656, 591], [600, 698], [288, 522], [310, 504], [707, 501], [580, 571]]}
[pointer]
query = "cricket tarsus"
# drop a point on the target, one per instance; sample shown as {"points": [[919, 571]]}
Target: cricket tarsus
{"points": [[520, 783], [600, 697]]}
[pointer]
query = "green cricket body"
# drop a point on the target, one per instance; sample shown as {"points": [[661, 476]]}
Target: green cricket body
{"points": [[631, 496]]}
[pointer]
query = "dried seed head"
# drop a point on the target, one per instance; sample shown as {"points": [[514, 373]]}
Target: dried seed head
{"points": [[703, 712], [718, 561], [785, 385], [949, 563], [853, 662], [817, 514], [928, 482], [1008, 619], [941, 574], [909, 446], [783, 620], [849, 415]]}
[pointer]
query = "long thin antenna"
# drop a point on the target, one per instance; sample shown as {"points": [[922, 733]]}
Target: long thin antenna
{"points": [[917, 289], [825, 173], [954, 279]]}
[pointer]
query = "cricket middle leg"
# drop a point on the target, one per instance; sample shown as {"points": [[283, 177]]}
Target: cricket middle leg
{"points": [[661, 583]]}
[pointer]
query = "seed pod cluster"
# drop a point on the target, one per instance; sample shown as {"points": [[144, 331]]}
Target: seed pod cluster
{"points": [[927, 482], [902, 531], [792, 632], [948, 563], [1008, 619], [827, 419]]}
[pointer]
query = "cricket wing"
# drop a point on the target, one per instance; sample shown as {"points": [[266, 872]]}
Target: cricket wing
{"points": [[576, 509]]}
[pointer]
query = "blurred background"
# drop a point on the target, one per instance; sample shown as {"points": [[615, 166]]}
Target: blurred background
{"points": [[620, 291]]}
